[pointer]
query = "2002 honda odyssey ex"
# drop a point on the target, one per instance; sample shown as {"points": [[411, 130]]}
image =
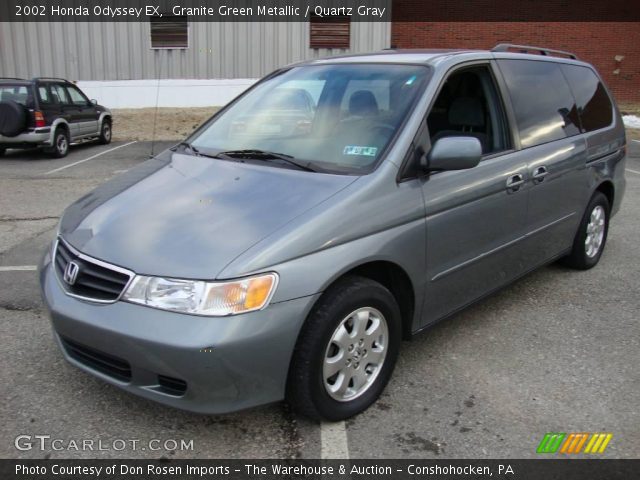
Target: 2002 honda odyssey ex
{"points": [[285, 249]]}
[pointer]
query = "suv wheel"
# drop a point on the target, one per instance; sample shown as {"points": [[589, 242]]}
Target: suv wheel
{"points": [[2, 150], [346, 351], [105, 132], [592, 234], [60, 146]]}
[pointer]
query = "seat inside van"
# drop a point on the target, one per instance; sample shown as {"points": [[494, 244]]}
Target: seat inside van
{"points": [[462, 108]]}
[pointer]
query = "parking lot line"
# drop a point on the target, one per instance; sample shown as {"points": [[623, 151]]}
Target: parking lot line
{"points": [[333, 441], [19, 268], [90, 158], [632, 171], [637, 141]]}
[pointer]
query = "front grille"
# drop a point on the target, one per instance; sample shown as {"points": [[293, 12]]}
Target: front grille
{"points": [[109, 365], [94, 281], [172, 386]]}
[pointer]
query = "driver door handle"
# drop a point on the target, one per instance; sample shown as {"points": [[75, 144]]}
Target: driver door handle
{"points": [[539, 173], [514, 182]]}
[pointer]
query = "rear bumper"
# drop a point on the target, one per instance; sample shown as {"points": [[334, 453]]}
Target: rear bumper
{"points": [[38, 136], [228, 363]]}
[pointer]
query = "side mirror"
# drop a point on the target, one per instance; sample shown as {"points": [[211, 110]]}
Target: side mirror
{"points": [[94, 102], [452, 153]]}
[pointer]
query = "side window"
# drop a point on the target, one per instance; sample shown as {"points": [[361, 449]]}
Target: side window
{"points": [[77, 98], [543, 103], [594, 105], [58, 94], [469, 105], [43, 95]]}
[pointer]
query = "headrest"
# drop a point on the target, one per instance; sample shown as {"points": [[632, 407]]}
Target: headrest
{"points": [[363, 103], [466, 112]]}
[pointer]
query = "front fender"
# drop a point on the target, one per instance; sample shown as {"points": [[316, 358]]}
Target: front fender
{"points": [[103, 115], [311, 274]]}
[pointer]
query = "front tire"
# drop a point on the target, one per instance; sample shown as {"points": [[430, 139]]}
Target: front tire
{"points": [[591, 237], [346, 351], [60, 146], [105, 132]]}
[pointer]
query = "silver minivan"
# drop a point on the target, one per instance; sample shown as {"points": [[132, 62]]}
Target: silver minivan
{"points": [[288, 246]]}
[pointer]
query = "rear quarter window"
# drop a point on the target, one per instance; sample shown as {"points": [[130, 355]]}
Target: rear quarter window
{"points": [[594, 104], [43, 95], [543, 104]]}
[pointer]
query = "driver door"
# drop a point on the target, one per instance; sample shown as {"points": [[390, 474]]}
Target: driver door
{"points": [[85, 112]]}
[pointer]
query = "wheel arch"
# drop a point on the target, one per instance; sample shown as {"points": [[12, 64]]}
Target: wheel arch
{"points": [[608, 189], [395, 279], [105, 116]]}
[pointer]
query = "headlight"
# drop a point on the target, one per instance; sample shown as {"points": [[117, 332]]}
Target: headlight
{"points": [[197, 297]]}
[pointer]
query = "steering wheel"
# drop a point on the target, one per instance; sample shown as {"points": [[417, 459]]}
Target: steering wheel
{"points": [[384, 126]]}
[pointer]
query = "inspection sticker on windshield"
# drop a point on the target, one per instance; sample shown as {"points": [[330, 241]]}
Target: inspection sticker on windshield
{"points": [[359, 150]]}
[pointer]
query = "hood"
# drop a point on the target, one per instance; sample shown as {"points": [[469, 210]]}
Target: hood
{"points": [[188, 217]]}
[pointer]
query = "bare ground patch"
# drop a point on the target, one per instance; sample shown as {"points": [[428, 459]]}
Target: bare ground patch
{"points": [[170, 123]]}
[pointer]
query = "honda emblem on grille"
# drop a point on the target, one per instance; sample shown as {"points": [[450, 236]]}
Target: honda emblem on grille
{"points": [[71, 272]]}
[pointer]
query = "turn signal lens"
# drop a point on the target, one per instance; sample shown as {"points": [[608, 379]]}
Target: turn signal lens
{"points": [[258, 291]]}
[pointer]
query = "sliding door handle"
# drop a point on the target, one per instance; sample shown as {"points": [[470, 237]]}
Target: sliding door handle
{"points": [[539, 173], [514, 182]]}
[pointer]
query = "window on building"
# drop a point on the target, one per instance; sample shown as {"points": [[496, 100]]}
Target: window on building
{"points": [[594, 105], [169, 32], [542, 101], [329, 32]]}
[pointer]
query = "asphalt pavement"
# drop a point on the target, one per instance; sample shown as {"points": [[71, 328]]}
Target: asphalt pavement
{"points": [[555, 352]]}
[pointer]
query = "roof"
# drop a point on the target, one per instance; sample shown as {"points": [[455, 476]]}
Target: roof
{"points": [[14, 81], [433, 56], [24, 81], [396, 56]]}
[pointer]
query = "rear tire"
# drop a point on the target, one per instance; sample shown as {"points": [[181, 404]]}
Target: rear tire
{"points": [[346, 351], [60, 146], [105, 132], [2, 151], [591, 237]]}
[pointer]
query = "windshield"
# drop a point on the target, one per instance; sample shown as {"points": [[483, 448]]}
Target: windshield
{"points": [[336, 118]]}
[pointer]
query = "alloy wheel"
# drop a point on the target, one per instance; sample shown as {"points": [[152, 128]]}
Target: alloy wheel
{"points": [[355, 354], [595, 231]]}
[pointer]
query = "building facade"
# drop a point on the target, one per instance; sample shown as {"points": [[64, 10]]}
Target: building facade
{"points": [[605, 34], [117, 63], [122, 64]]}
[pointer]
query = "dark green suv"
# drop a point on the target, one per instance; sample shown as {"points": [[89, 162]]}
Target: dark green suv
{"points": [[51, 113]]}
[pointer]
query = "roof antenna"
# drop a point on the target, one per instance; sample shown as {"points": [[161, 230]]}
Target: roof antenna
{"points": [[158, 65]]}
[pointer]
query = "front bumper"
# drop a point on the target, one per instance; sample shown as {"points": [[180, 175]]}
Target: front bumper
{"points": [[38, 136], [228, 363]]}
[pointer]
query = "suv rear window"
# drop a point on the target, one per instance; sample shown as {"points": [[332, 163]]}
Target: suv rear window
{"points": [[17, 93], [594, 104], [542, 101]]}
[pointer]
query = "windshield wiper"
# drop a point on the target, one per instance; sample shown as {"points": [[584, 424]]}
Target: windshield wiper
{"points": [[265, 155], [186, 145]]}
